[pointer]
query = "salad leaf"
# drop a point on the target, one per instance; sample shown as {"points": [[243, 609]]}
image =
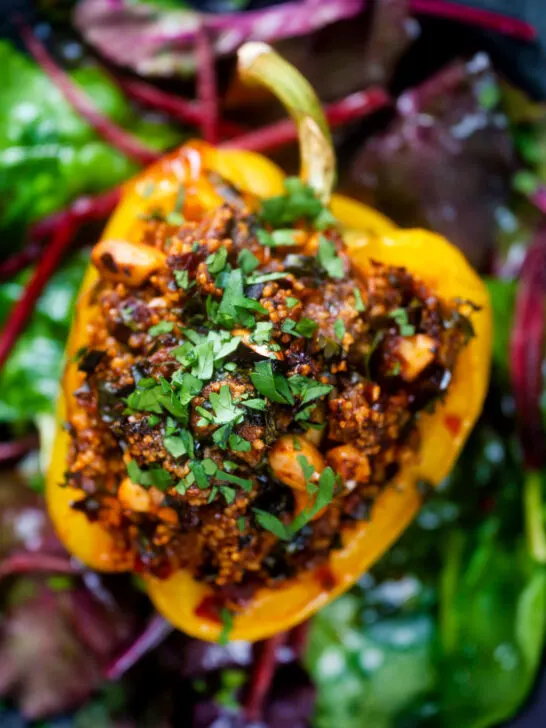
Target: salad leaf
{"points": [[374, 671], [29, 380], [441, 125], [49, 154], [493, 628], [503, 298]]}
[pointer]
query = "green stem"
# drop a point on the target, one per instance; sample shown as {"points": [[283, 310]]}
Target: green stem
{"points": [[449, 581], [534, 516], [259, 63]]}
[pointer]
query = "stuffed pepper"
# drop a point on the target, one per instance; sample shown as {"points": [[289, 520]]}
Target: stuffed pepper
{"points": [[260, 380]]}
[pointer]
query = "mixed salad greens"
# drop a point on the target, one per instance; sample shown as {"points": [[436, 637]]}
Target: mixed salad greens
{"points": [[449, 627]]}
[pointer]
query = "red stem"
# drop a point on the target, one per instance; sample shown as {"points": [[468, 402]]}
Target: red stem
{"points": [[527, 352], [155, 632], [83, 209], [262, 675], [206, 85], [354, 106], [184, 110], [22, 310], [126, 142], [26, 562], [474, 16], [298, 638], [16, 449], [18, 261]]}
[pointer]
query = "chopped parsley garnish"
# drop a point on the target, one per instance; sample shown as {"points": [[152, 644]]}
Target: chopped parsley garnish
{"points": [[225, 412], [228, 493], [174, 218], [182, 278], [324, 490], [400, 316], [278, 238], [298, 203], [241, 523], [226, 617], [234, 307], [329, 259], [216, 262], [305, 327], [269, 522], [238, 443], [273, 386], [291, 301], [395, 370], [244, 483], [163, 327], [256, 404], [180, 444], [154, 475], [262, 332], [247, 261], [339, 329], [265, 277], [307, 389], [359, 303], [198, 471]]}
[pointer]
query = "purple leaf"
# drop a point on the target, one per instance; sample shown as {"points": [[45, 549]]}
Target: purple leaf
{"points": [[155, 41], [446, 161]]}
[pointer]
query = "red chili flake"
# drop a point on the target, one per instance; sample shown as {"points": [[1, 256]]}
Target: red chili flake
{"points": [[209, 608], [326, 578], [453, 424]]}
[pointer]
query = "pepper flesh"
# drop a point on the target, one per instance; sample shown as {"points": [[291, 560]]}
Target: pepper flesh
{"points": [[368, 236]]}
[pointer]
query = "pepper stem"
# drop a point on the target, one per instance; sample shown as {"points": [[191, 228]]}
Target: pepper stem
{"points": [[258, 63]]}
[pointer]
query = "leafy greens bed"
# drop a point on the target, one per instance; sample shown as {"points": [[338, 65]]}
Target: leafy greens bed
{"points": [[449, 628]]}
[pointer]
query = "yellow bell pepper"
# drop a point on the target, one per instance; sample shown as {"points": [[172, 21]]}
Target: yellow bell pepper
{"points": [[368, 236]]}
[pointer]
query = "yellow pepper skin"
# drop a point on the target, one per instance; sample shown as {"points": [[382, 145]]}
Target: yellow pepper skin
{"points": [[369, 236]]}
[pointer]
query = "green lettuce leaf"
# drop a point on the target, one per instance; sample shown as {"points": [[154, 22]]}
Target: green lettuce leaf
{"points": [[49, 154], [29, 381]]}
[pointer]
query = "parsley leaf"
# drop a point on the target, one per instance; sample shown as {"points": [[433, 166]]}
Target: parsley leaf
{"points": [[226, 618], [305, 327], [400, 316], [225, 412], [244, 483], [359, 303], [163, 327], [216, 262], [262, 332], [238, 443], [299, 201], [278, 238], [182, 278], [256, 404], [198, 471], [339, 329], [269, 522], [179, 445], [273, 386], [329, 259], [154, 475], [247, 261]]}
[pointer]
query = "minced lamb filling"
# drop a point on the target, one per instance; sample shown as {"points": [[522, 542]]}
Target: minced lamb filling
{"points": [[249, 393]]}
